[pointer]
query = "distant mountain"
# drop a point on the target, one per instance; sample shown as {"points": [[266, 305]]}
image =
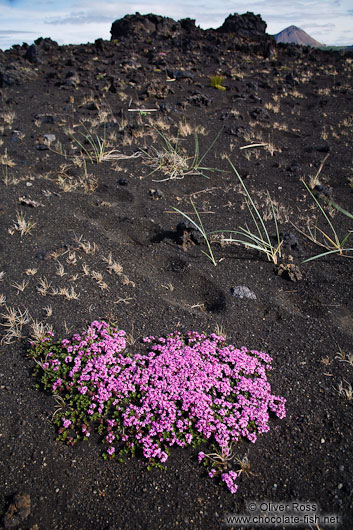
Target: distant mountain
{"points": [[296, 36]]}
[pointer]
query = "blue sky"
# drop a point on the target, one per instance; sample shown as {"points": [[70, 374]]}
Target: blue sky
{"points": [[81, 21]]}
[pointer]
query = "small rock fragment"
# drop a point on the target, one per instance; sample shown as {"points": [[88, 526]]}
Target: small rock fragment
{"points": [[186, 235], [289, 271], [156, 194], [29, 202], [18, 510], [241, 291], [49, 138]]}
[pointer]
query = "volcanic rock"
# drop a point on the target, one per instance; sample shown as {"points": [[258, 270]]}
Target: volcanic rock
{"points": [[247, 25], [141, 26]]}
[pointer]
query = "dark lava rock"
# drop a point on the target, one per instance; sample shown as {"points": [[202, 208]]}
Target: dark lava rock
{"points": [[32, 54], [141, 26], [46, 44], [293, 167], [199, 99], [123, 182], [155, 89], [156, 194], [289, 271], [290, 80], [289, 241], [323, 191], [269, 52], [18, 510], [187, 235], [132, 25], [188, 24], [16, 136], [259, 114], [45, 118], [72, 79], [246, 25], [241, 291], [323, 149], [99, 44], [181, 74], [15, 74], [239, 132]]}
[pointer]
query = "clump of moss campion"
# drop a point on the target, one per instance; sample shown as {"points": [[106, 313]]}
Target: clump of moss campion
{"points": [[182, 390]]}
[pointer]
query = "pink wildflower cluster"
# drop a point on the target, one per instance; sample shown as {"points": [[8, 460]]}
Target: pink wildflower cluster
{"points": [[184, 390], [229, 479]]}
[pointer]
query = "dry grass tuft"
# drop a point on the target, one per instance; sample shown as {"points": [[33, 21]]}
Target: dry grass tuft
{"points": [[86, 246], [22, 225], [71, 258], [14, 320], [220, 331], [39, 330], [345, 391], [30, 272], [113, 266], [8, 117], [98, 277], [20, 286], [5, 160], [68, 294], [48, 311], [60, 270], [43, 286]]}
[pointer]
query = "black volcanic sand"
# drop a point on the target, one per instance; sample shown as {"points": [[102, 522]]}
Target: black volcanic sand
{"points": [[299, 103]]}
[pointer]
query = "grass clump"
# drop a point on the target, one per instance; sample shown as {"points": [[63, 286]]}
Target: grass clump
{"points": [[174, 162], [181, 390], [257, 238], [327, 238], [200, 228], [217, 82], [97, 147]]}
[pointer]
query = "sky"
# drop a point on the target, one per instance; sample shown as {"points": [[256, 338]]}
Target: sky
{"points": [[81, 21]]}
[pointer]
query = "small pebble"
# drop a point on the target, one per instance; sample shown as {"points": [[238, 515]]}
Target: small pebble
{"points": [[241, 291]]}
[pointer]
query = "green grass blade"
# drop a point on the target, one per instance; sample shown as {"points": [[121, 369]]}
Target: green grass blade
{"points": [[83, 149], [253, 237], [251, 202], [251, 245], [190, 220], [340, 209], [344, 240], [200, 229], [170, 147], [203, 232], [195, 162], [255, 222], [326, 254], [323, 213], [210, 147], [279, 242]]}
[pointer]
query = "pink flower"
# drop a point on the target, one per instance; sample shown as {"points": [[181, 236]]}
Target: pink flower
{"points": [[183, 387]]}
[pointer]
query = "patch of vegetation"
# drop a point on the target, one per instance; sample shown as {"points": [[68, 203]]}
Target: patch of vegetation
{"points": [[217, 82], [184, 390]]}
